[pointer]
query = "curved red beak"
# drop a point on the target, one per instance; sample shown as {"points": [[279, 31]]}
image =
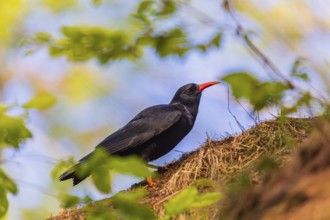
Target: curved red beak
{"points": [[206, 85]]}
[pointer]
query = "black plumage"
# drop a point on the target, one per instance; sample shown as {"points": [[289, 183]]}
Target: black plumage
{"points": [[153, 132]]}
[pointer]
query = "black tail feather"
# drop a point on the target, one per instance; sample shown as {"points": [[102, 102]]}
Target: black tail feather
{"points": [[67, 175], [71, 174]]}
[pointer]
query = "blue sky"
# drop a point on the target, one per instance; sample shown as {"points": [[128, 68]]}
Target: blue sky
{"points": [[134, 86]]}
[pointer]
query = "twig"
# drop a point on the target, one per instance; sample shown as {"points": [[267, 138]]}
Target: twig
{"points": [[35, 187], [201, 16], [228, 107], [253, 118], [240, 31]]}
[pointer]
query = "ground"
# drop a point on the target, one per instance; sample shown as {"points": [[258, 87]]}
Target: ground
{"points": [[278, 169]]}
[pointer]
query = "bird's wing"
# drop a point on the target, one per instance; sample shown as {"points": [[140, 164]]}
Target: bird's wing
{"points": [[146, 125]]}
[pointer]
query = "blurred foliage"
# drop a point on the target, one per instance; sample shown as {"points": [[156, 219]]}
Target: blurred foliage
{"points": [[298, 70], [304, 100], [84, 43], [123, 205], [7, 185], [101, 167], [79, 83], [242, 182], [60, 5], [259, 94], [288, 19], [10, 14], [68, 200], [41, 101], [12, 131], [97, 2], [81, 43], [128, 206], [61, 167], [188, 199]]}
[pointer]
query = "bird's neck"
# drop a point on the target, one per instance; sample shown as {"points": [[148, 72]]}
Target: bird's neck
{"points": [[189, 111]]}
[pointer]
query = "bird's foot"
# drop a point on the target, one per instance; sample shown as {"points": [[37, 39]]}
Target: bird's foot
{"points": [[151, 182]]}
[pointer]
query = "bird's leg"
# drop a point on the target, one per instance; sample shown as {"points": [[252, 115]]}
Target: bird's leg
{"points": [[150, 181]]}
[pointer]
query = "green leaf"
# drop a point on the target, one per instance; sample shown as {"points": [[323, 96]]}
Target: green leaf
{"points": [[68, 200], [215, 41], [98, 166], [97, 2], [189, 198], [259, 94], [268, 92], [62, 166], [73, 33], [133, 196], [206, 199], [204, 182], [98, 158], [302, 76], [298, 71], [43, 37], [101, 212], [41, 101], [144, 40], [60, 5], [168, 7], [100, 163], [128, 206], [144, 6], [101, 178], [304, 100], [83, 43], [131, 165], [243, 84], [87, 199], [181, 202], [172, 42], [7, 183], [12, 131], [3, 202], [3, 108]]}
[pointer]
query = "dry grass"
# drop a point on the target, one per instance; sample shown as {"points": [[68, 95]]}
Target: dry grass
{"points": [[300, 190], [223, 161]]}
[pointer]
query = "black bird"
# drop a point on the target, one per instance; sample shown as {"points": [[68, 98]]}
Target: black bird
{"points": [[153, 132]]}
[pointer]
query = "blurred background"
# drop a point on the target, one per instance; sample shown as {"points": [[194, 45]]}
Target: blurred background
{"points": [[95, 97]]}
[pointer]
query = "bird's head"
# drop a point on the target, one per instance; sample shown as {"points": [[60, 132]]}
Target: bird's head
{"points": [[190, 94]]}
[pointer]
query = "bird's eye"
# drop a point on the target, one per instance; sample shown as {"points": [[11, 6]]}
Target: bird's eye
{"points": [[190, 91]]}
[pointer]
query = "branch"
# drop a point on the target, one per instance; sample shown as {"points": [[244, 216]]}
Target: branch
{"points": [[241, 32]]}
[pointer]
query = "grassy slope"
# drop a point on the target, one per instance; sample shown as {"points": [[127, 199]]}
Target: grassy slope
{"points": [[225, 161]]}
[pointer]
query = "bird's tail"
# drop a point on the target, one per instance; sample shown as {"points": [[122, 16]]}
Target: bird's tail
{"points": [[72, 172]]}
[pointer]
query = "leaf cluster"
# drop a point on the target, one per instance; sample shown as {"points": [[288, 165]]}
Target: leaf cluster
{"points": [[259, 94], [188, 199], [102, 167], [13, 132], [81, 43]]}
